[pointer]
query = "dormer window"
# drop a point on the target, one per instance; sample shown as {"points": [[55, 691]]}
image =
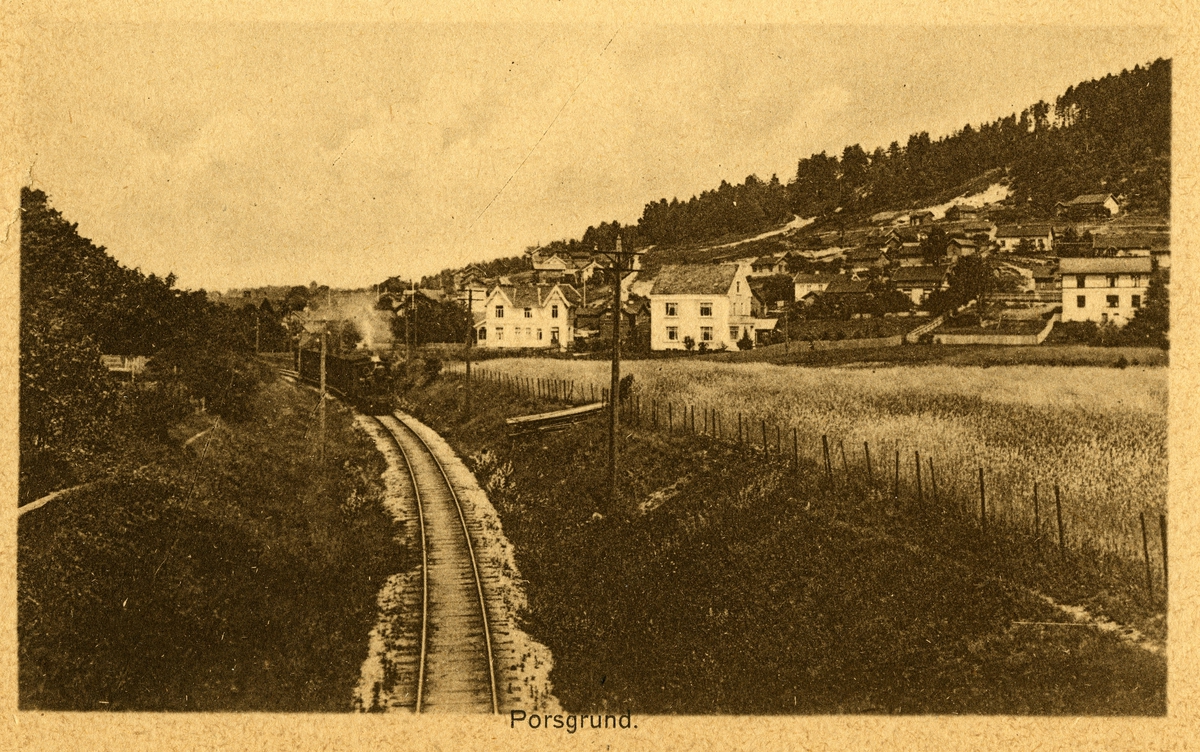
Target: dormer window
{"points": [[554, 311], [499, 311]]}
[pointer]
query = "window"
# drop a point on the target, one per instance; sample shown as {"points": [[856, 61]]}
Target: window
{"points": [[554, 311], [528, 313], [1136, 280], [733, 332], [739, 287], [706, 334], [499, 311], [1104, 318], [1081, 301], [499, 333], [554, 335], [1081, 280], [1112, 280], [672, 309], [482, 332], [1135, 301], [1113, 301], [672, 333], [706, 310]]}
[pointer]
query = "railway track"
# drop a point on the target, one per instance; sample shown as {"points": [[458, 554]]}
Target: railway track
{"points": [[455, 662]]}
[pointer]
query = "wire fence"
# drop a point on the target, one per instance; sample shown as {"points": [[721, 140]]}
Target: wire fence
{"points": [[901, 477]]}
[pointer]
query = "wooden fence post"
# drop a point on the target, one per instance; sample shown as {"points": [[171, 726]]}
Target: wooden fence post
{"points": [[1037, 514], [867, 454], [739, 429], [982, 503], [766, 446], [1062, 541], [825, 456], [933, 483], [920, 490], [670, 418], [1146, 553], [845, 464], [795, 450], [1162, 529], [896, 482]]}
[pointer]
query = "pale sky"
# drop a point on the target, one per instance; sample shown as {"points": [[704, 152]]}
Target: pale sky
{"points": [[248, 154]]}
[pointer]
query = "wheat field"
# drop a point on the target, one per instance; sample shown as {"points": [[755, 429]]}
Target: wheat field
{"points": [[1099, 433]]}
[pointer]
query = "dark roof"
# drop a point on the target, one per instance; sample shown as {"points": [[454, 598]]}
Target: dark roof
{"points": [[865, 253], [1105, 265], [694, 279], [1154, 241], [531, 296], [842, 286], [921, 214], [911, 275], [1089, 199], [909, 250], [806, 278], [1023, 231], [964, 242]]}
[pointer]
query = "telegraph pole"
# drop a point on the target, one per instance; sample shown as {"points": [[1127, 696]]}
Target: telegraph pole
{"points": [[470, 336], [621, 259], [324, 331]]}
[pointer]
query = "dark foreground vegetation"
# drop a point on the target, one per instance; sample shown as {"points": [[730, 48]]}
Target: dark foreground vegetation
{"points": [[238, 574], [719, 584]]}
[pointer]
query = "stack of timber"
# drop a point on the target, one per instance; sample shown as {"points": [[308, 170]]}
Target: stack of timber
{"points": [[553, 421]]}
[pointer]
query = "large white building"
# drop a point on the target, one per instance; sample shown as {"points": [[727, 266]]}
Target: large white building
{"points": [[710, 303], [528, 316], [1104, 290]]}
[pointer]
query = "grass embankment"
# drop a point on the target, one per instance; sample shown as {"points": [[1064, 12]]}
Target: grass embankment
{"points": [[240, 575], [722, 585]]}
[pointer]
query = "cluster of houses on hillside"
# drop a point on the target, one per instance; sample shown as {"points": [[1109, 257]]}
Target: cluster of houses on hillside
{"points": [[563, 301]]}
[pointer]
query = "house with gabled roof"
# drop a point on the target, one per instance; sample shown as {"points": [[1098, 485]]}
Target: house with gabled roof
{"points": [[1089, 206], [1104, 290], [529, 316], [961, 212], [710, 303], [1041, 236], [765, 266], [919, 282]]}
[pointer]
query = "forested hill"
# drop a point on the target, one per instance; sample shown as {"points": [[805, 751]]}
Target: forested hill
{"points": [[1111, 135]]}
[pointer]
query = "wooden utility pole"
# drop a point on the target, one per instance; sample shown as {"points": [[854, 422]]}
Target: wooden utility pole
{"points": [[324, 330], [622, 261], [470, 336]]}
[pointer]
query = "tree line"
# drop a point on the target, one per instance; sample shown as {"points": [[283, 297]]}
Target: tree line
{"points": [[77, 302], [1110, 135]]}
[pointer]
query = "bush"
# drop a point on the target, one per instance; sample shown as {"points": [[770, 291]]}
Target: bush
{"points": [[431, 368], [689, 344], [1121, 363], [745, 343]]}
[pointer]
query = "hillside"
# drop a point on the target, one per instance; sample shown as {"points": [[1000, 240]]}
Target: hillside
{"points": [[1110, 135]]}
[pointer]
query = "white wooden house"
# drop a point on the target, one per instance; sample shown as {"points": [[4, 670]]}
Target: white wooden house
{"points": [[528, 316], [1104, 290], [710, 303]]}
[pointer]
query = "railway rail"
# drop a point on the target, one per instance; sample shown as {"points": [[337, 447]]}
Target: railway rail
{"points": [[455, 664]]}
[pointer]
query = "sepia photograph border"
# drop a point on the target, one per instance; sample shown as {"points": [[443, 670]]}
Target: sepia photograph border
{"points": [[37, 730]]}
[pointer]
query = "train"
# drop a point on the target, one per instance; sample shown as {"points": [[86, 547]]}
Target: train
{"points": [[360, 378]]}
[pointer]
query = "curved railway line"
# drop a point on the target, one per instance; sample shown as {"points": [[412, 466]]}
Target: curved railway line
{"points": [[456, 665]]}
